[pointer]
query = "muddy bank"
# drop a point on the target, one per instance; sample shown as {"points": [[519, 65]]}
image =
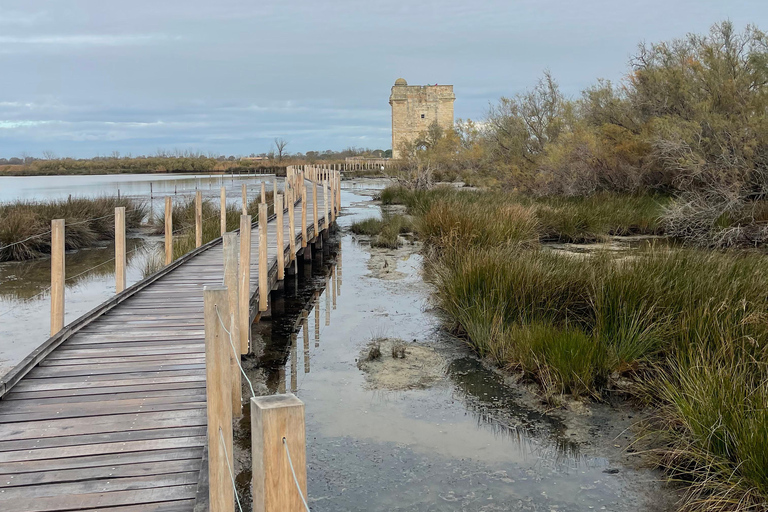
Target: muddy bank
{"points": [[436, 430]]}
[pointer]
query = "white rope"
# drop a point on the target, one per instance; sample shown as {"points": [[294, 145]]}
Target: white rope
{"points": [[237, 354], [231, 476], [293, 472]]}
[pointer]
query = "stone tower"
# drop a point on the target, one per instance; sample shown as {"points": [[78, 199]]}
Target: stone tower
{"points": [[415, 108]]}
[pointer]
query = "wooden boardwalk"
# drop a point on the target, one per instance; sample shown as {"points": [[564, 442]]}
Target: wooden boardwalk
{"points": [[111, 413]]}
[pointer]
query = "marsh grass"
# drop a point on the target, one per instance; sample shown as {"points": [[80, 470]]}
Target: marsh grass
{"points": [[384, 232], [87, 221], [480, 215]]}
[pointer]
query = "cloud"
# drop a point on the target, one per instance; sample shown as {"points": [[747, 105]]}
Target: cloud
{"points": [[88, 39]]}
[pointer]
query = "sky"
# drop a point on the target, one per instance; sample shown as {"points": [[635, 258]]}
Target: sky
{"points": [[83, 78]]}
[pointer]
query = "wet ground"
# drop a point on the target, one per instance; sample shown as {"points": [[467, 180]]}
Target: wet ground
{"points": [[464, 438]]}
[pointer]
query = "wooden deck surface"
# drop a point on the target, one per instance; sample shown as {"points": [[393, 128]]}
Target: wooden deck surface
{"points": [[114, 418]]}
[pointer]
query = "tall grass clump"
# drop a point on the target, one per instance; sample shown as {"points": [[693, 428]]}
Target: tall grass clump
{"points": [[384, 232], [87, 221]]}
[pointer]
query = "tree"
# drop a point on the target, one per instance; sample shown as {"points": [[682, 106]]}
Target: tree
{"points": [[49, 155], [280, 144]]}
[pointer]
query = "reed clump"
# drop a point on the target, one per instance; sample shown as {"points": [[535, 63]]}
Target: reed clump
{"points": [[87, 221], [384, 232]]}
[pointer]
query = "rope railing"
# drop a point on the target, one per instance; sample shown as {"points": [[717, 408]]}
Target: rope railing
{"points": [[293, 472], [229, 468]]}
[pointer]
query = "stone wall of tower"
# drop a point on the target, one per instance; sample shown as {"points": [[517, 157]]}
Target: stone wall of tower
{"points": [[415, 108]]}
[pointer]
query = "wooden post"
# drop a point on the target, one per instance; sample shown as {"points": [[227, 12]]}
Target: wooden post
{"points": [[245, 283], [263, 193], [303, 215], [294, 366], [274, 189], [277, 429], [223, 210], [245, 200], [338, 194], [120, 249], [231, 282], [220, 493], [291, 225], [314, 210], [280, 235], [168, 230], [198, 218], [326, 206], [57, 275], [263, 258], [305, 329]]}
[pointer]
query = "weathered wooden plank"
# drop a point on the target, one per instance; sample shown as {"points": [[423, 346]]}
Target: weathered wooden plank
{"points": [[127, 435], [101, 424], [193, 453], [62, 452], [100, 500]]}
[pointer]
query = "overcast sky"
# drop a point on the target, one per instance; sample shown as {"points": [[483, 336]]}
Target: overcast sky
{"points": [[88, 77]]}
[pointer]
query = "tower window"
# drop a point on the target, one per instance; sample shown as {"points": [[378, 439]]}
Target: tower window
{"points": [[422, 116]]}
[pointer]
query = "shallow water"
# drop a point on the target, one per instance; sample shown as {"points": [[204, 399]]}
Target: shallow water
{"points": [[471, 440]]}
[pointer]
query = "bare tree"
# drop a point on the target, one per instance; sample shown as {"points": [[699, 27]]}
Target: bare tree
{"points": [[280, 144], [49, 155]]}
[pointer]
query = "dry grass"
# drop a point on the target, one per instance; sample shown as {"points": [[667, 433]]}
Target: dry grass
{"points": [[86, 221]]}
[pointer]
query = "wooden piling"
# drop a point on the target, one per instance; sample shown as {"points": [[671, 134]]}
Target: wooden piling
{"points": [[245, 199], [291, 225], [280, 236], [245, 283], [221, 496], [263, 193], [231, 281], [168, 230], [326, 206], [57, 275], [198, 218], [277, 429], [314, 210], [120, 254], [263, 255], [303, 215]]}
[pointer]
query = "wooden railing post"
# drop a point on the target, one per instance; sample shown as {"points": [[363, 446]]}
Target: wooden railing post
{"points": [[314, 210], [245, 282], [291, 224], [263, 193], [277, 433], [221, 496], [231, 279], [223, 212], [245, 200], [120, 249], [263, 259], [280, 237], [198, 218], [274, 189], [326, 206], [57, 275], [303, 215], [168, 230]]}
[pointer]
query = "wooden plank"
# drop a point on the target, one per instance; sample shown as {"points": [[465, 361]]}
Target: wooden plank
{"points": [[100, 500], [113, 459], [101, 424], [128, 435], [63, 452]]}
